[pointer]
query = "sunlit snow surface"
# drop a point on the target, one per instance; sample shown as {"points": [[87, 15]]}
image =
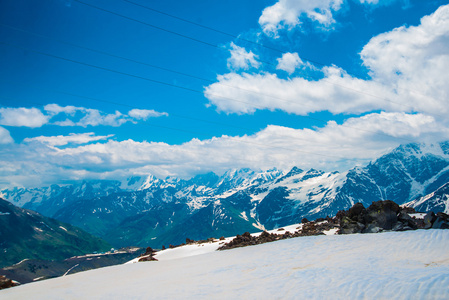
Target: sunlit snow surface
{"points": [[392, 265]]}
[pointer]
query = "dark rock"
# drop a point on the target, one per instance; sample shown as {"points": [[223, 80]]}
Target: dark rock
{"points": [[349, 226], [320, 220], [304, 220], [407, 220], [357, 212], [399, 226], [340, 214], [382, 214], [408, 210], [147, 258], [148, 255], [443, 216], [6, 282], [429, 218], [441, 221], [371, 228]]}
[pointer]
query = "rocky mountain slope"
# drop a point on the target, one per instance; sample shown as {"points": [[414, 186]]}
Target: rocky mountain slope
{"points": [[25, 234], [155, 212], [30, 270], [437, 201]]}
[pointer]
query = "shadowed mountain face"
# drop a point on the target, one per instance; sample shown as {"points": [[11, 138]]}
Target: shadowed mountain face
{"points": [[155, 212], [25, 234]]}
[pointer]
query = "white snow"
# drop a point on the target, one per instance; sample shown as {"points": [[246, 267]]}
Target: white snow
{"points": [[390, 265], [418, 215], [332, 231], [38, 278], [243, 216]]}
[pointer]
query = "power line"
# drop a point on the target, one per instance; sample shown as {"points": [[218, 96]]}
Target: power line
{"points": [[174, 85], [216, 30], [218, 47], [147, 24], [237, 37], [190, 75]]}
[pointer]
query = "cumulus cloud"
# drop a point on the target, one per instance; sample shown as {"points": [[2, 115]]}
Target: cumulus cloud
{"points": [[408, 68], [331, 147], [414, 60], [338, 93], [74, 116], [94, 117], [144, 114], [287, 14], [22, 117], [5, 136], [289, 62], [73, 138], [241, 59], [55, 109]]}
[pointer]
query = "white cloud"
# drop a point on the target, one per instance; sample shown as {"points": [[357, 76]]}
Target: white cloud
{"points": [[55, 109], [408, 67], [75, 116], [61, 140], [241, 59], [22, 117], [144, 114], [94, 117], [414, 61], [332, 147], [289, 62], [5, 136], [287, 14], [383, 2], [335, 93]]}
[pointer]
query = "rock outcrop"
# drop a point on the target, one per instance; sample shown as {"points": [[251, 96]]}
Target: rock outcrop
{"points": [[387, 215], [6, 282]]}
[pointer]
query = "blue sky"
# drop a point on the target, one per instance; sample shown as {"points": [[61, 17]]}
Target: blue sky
{"points": [[110, 89]]}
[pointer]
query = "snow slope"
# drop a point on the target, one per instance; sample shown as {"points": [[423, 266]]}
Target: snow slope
{"points": [[399, 265]]}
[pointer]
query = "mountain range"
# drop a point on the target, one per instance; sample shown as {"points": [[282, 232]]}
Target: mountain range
{"points": [[147, 211]]}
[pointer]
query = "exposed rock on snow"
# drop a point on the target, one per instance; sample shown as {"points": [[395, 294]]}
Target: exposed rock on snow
{"points": [[386, 215], [6, 282]]}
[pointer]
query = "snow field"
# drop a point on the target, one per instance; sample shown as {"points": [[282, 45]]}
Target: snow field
{"points": [[399, 265]]}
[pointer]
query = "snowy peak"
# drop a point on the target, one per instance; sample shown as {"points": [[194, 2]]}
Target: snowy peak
{"points": [[437, 201], [167, 209], [150, 182]]}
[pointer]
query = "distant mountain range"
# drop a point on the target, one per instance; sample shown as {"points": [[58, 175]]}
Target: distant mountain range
{"points": [[25, 234], [154, 212]]}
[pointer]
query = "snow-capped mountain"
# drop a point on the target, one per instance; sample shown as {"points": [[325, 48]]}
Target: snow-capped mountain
{"points": [[155, 212], [48, 200]]}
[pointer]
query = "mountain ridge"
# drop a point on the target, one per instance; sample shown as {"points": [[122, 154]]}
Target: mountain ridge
{"points": [[245, 198], [25, 234]]}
